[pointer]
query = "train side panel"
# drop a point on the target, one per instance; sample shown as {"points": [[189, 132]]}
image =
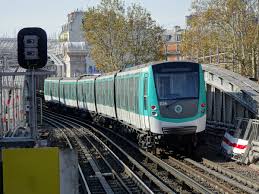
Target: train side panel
{"points": [[105, 95], [55, 91], [86, 97], [130, 100], [62, 93], [47, 88], [70, 94], [51, 90]]}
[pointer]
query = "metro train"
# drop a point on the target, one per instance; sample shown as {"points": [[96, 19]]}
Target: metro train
{"points": [[158, 102]]}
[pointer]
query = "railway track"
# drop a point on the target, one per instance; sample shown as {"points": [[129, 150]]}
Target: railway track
{"points": [[149, 168], [223, 180], [179, 175], [61, 133], [108, 174]]}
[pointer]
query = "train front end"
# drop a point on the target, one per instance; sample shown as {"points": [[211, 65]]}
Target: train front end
{"points": [[177, 99]]}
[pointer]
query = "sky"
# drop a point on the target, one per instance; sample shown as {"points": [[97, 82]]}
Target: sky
{"points": [[51, 14]]}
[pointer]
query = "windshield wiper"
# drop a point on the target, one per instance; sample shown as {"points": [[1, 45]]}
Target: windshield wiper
{"points": [[167, 106]]}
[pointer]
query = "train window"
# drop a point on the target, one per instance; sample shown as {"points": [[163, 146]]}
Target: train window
{"points": [[103, 92], [109, 92], [112, 93], [72, 91], [67, 90], [130, 94], [145, 91], [133, 94], [90, 93], [123, 94], [99, 91], [106, 92], [118, 93], [126, 93], [81, 91], [137, 94], [116, 90]]}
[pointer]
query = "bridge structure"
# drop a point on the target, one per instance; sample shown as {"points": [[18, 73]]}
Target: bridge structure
{"points": [[232, 100]]}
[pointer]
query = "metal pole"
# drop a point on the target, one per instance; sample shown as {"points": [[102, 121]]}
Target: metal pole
{"points": [[34, 108], [40, 110], [1, 110]]}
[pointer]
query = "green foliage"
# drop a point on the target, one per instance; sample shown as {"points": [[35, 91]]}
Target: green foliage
{"points": [[118, 37]]}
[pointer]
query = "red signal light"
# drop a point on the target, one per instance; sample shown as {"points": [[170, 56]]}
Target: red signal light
{"points": [[203, 105]]}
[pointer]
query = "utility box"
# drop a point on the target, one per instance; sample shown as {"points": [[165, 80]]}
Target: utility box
{"points": [[39, 170]]}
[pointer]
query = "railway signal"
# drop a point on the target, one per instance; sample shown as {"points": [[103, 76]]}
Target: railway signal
{"points": [[32, 48]]}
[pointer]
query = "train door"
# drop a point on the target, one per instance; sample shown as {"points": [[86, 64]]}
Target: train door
{"points": [[146, 119]]}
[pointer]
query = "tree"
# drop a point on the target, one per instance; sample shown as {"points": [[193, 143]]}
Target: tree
{"points": [[118, 37], [104, 28], [227, 25], [144, 36]]}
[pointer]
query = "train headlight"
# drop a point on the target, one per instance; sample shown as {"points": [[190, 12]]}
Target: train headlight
{"points": [[153, 107], [154, 113], [203, 105]]}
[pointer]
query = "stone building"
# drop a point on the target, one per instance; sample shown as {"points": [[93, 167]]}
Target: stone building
{"points": [[172, 39], [75, 49]]}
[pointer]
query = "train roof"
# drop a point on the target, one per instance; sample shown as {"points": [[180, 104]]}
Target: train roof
{"points": [[153, 63], [92, 76], [53, 78], [87, 76]]}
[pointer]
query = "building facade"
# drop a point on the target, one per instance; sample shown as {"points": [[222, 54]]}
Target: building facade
{"points": [[75, 49], [172, 39]]}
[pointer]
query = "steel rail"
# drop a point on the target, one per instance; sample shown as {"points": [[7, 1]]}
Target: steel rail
{"points": [[220, 176], [151, 177], [86, 187], [136, 179], [180, 176], [209, 180], [144, 187], [94, 166], [231, 174]]}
